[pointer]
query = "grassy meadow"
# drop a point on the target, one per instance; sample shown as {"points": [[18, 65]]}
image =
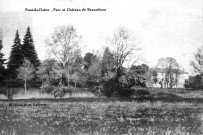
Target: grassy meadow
{"points": [[163, 112]]}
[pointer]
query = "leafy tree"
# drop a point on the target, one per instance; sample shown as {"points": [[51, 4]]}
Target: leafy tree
{"points": [[161, 82], [197, 63], [195, 82], [16, 57], [135, 76], [107, 63], [63, 45], [138, 75], [79, 61], [77, 66], [28, 49], [75, 77], [94, 74], [89, 59], [26, 72], [154, 75], [140, 69], [47, 71]]}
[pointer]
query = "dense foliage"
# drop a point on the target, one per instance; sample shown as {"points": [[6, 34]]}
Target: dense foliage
{"points": [[16, 57], [19, 52], [114, 72], [26, 72], [2, 61], [28, 49], [194, 82]]}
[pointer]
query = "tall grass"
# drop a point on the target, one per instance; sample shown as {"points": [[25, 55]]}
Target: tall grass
{"points": [[39, 95], [31, 95], [179, 92], [81, 95], [2, 96]]}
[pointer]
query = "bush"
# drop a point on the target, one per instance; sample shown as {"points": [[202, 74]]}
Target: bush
{"points": [[110, 88], [125, 93], [47, 88], [14, 83], [140, 91]]}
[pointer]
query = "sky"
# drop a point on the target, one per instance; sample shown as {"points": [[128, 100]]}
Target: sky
{"points": [[164, 28]]}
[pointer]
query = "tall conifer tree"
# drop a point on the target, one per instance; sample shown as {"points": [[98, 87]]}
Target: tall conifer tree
{"points": [[28, 49], [16, 57], [1, 54], [2, 60]]}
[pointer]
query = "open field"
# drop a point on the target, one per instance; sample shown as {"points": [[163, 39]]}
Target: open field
{"points": [[164, 112]]}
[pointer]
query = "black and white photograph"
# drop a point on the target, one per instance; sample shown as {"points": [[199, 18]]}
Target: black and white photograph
{"points": [[101, 67]]}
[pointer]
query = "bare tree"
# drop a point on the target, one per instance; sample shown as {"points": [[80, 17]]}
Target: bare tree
{"points": [[124, 48], [26, 72], [63, 45]]}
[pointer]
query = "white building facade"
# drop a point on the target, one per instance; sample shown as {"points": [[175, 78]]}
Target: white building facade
{"points": [[161, 75]]}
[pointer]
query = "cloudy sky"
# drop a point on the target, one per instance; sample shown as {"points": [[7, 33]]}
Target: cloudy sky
{"points": [[164, 28]]}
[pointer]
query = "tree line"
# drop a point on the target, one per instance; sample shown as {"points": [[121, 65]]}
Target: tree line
{"points": [[19, 53], [196, 81], [116, 67]]}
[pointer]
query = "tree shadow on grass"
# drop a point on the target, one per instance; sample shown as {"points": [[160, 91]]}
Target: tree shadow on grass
{"points": [[161, 96], [167, 97]]}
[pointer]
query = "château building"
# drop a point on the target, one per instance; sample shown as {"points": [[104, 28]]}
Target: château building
{"points": [[161, 73]]}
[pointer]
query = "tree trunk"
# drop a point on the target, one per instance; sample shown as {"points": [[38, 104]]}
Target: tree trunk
{"points": [[25, 85], [42, 81], [68, 81], [75, 84]]}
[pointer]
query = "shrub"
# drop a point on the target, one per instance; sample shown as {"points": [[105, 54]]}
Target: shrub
{"points": [[110, 88], [47, 88], [140, 91], [123, 92]]}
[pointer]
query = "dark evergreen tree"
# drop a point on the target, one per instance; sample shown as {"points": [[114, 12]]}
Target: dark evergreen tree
{"points": [[2, 60], [28, 49], [16, 57]]}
